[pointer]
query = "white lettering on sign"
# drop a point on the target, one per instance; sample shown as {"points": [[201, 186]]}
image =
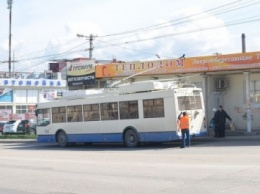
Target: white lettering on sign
{"points": [[33, 82]]}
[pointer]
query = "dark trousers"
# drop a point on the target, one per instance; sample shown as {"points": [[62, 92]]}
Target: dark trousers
{"points": [[216, 131], [185, 132], [220, 130]]}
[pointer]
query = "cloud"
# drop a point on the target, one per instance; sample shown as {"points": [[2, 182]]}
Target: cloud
{"points": [[192, 36], [52, 30]]}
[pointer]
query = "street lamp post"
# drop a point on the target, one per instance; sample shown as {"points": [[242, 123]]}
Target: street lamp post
{"points": [[10, 2]]}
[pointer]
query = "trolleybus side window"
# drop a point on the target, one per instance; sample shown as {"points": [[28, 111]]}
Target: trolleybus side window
{"points": [[109, 111], [91, 112], [128, 110], [153, 108], [74, 113], [43, 117], [59, 114]]}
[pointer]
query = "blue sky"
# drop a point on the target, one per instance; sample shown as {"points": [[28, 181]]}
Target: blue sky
{"points": [[43, 30]]}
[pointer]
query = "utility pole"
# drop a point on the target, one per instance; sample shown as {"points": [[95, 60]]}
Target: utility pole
{"points": [[10, 2], [243, 43], [90, 38]]}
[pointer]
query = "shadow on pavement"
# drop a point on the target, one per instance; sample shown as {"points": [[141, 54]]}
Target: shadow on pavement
{"points": [[196, 143]]}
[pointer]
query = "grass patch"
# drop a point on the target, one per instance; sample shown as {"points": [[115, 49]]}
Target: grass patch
{"points": [[17, 136]]}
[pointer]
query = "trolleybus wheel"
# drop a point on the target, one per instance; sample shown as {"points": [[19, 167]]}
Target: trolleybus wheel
{"points": [[131, 138], [62, 139]]}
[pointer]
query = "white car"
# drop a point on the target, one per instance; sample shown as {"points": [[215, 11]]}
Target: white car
{"points": [[2, 124], [11, 126]]}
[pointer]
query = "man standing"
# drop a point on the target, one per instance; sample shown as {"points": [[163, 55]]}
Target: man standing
{"points": [[184, 126], [220, 121]]}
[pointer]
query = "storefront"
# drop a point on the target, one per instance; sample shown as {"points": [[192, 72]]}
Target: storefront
{"points": [[18, 97], [232, 81]]}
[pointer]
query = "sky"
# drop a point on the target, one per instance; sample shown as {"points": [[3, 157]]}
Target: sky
{"points": [[136, 30]]}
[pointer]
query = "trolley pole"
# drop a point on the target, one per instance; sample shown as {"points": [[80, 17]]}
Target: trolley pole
{"points": [[10, 2]]}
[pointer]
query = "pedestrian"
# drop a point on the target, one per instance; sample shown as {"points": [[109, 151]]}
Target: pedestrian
{"points": [[184, 126], [220, 121], [212, 123]]}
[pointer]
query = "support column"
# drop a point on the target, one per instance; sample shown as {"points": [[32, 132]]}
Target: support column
{"points": [[248, 103], [205, 93]]}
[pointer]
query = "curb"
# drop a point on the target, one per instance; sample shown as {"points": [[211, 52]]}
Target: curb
{"points": [[229, 138], [18, 140]]}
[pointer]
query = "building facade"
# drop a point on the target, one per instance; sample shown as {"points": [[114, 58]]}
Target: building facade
{"points": [[232, 81], [18, 96]]}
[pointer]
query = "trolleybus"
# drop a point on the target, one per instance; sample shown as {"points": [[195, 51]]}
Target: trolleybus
{"points": [[131, 113]]}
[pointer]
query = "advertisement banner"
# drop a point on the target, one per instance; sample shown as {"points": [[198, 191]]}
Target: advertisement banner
{"points": [[4, 114], [181, 65], [6, 95], [81, 73]]}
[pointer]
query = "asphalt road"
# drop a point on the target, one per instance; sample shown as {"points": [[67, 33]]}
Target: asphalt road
{"points": [[222, 166]]}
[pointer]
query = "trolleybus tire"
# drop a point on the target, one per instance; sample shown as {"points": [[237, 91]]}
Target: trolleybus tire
{"points": [[131, 138], [62, 139]]}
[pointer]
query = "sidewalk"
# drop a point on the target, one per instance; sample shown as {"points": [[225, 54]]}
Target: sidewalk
{"points": [[239, 135]]}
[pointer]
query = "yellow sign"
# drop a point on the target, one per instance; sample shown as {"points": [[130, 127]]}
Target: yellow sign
{"points": [[176, 66]]}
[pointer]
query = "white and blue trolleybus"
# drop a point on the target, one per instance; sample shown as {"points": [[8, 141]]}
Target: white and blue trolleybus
{"points": [[131, 113]]}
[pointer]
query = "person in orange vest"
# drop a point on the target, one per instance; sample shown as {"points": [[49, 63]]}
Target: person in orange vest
{"points": [[184, 126]]}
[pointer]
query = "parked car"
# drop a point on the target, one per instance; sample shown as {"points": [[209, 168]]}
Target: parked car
{"points": [[20, 126], [32, 128], [11, 126], [2, 124], [24, 127]]}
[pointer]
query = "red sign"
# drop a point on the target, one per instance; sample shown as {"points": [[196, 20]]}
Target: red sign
{"points": [[31, 107]]}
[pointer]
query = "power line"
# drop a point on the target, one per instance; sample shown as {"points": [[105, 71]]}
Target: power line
{"points": [[153, 54], [151, 27], [66, 52], [223, 11], [57, 46], [192, 31], [160, 26]]}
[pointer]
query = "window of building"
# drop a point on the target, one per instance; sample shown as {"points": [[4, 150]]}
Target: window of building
{"points": [[21, 109], [26, 96], [109, 111], [32, 96], [21, 96], [153, 108], [129, 110], [91, 112], [254, 91], [3, 107], [102, 84]]}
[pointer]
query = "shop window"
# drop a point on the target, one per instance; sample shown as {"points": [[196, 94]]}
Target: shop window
{"points": [[254, 91]]}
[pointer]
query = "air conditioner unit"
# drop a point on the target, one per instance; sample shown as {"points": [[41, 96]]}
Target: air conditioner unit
{"points": [[222, 83]]}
